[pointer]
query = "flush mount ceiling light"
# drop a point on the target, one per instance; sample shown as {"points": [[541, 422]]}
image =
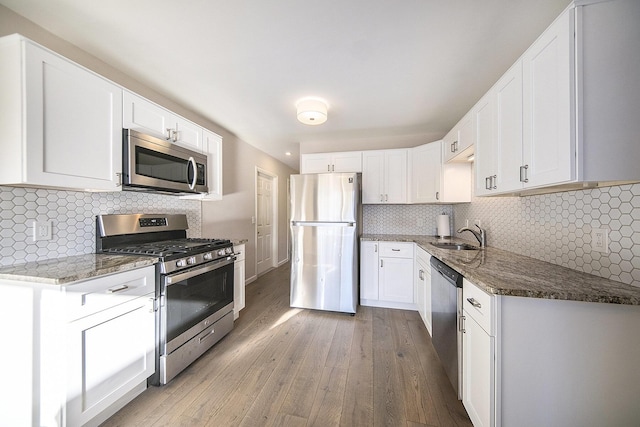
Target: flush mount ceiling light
{"points": [[312, 110]]}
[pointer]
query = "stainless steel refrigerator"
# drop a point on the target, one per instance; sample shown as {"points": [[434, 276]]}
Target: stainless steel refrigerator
{"points": [[326, 220]]}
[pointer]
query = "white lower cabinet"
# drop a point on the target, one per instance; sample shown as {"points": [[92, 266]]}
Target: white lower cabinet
{"points": [[82, 350], [423, 286], [532, 362], [478, 356], [386, 275], [238, 280], [109, 355]]}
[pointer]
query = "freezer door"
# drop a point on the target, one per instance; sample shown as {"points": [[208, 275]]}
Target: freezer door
{"points": [[331, 197], [324, 267]]}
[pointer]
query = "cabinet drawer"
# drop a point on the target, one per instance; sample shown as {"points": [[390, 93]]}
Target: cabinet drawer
{"points": [[396, 249], [480, 306], [92, 296]]}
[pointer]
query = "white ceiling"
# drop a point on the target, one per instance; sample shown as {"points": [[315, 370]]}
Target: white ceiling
{"points": [[389, 69]]}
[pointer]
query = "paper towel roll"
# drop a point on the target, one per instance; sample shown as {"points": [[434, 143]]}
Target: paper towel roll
{"points": [[443, 226]]}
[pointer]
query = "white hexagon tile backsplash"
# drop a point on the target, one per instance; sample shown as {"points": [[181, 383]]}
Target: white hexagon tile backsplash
{"points": [[558, 228], [72, 215]]}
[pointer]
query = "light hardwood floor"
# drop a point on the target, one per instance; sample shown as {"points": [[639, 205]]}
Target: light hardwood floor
{"points": [[290, 367]]}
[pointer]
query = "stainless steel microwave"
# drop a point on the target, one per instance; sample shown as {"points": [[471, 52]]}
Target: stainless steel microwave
{"points": [[155, 165]]}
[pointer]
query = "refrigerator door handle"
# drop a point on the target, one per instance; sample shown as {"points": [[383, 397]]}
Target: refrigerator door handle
{"points": [[320, 224]]}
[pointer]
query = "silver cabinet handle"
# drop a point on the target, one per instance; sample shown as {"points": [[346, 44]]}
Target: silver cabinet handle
{"points": [[494, 179], [421, 274], [119, 176], [386, 197], [169, 130], [437, 195], [487, 183], [474, 303], [175, 136], [523, 173], [328, 168], [381, 263], [382, 197], [375, 248], [462, 324], [117, 289], [333, 168], [453, 147], [395, 250]]}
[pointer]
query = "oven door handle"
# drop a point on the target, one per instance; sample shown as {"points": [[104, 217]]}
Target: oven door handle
{"points": [[176, 278]]}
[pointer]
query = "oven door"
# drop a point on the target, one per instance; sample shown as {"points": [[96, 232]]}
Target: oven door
{"points": [[192, 300]]}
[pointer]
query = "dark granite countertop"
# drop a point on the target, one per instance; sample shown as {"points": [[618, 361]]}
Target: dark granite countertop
{"points": [[61, 271], [501, 272]]}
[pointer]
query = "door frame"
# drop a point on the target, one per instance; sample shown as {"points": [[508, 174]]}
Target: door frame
{"points": [[274, 215]]}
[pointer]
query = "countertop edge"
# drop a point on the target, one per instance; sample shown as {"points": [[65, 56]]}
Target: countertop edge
{"points": [[600, 287]]}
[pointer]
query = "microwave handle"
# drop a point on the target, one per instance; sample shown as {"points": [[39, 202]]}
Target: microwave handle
{"points": [[192, 162]]}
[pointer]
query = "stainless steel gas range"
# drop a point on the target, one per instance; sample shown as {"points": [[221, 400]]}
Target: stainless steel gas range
{"points": [[194, 285]]}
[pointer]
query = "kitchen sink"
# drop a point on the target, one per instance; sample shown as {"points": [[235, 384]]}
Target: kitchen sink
{"points": [[454, 246]]}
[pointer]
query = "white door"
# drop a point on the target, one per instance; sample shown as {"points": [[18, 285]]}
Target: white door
{"points": [[264, 222]]}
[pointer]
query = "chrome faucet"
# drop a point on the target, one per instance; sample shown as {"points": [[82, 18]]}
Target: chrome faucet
{"points": [[480, 236]]}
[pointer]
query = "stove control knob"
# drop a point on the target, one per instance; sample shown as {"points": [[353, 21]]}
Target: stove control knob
{"points": [[191, 260], [208, 256], [181, 263], [229, 250], [221, 252]]}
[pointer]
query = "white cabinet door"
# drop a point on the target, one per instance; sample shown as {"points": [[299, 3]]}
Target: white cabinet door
{"points": [[395, 176], [485, 147], [238, 280], [423, 286], [348, 161], [549, 146], [396, 280], [189, 134], [384, 176], [426, 165], [478, 371], [508, 130], [65, 122], [459, 140], [108, 354], [315, 163], [144, 116], [373, 177], [368, 270]]}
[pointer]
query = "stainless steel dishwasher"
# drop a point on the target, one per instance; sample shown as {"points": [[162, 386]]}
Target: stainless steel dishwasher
{"points": [[446, 305]]}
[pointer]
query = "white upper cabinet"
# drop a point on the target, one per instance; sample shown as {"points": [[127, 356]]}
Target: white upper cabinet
{"points": [[384, 176], [348, 161], [145, 116], [62, 124], [431, 181], [562, 114], [459, 142]]}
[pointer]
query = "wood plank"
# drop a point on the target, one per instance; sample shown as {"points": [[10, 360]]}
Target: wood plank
{"points": [[357, 409], [299, 399], [327, 406]]}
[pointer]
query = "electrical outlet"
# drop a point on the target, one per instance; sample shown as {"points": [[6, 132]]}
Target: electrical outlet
{"points": [[600, 240], [41, 230]]}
